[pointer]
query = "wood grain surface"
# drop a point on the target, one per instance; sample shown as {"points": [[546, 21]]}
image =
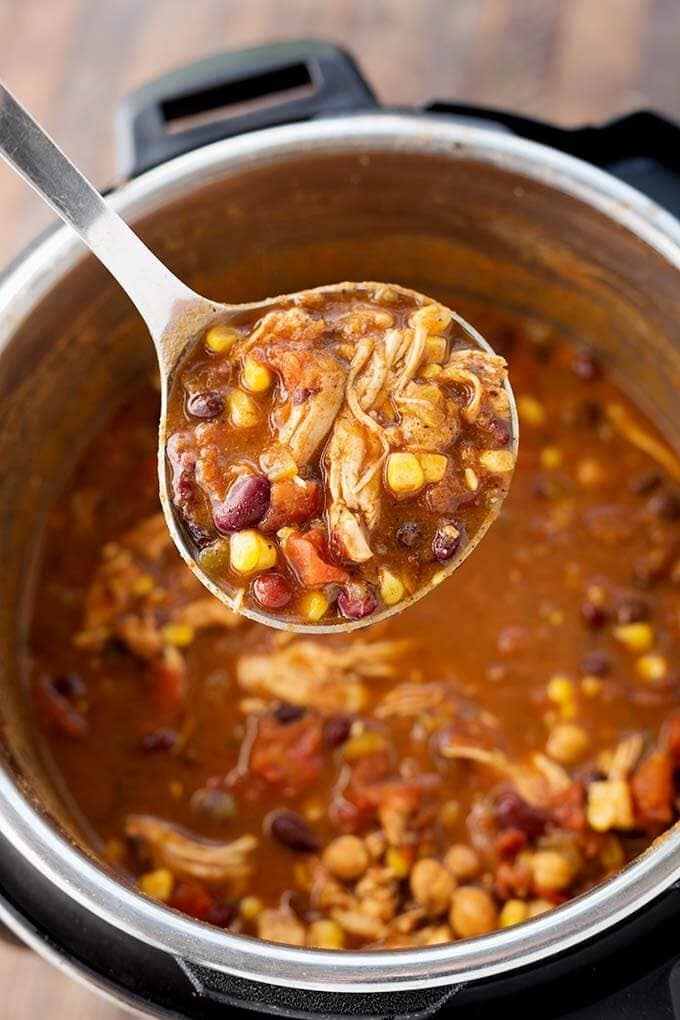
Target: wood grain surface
{"points": [[70, 61]]}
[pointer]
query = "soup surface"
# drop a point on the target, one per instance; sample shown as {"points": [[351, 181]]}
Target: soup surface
{"points": [[330, 457], [493, 751]]}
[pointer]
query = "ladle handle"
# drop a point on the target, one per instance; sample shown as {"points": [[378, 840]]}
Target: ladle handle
{"points": [[33, 154]]}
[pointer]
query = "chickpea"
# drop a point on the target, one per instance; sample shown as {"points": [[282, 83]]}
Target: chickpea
{"points": [[346, 857], [567, 743], [551, 870], [432, 885], [539, 906], [462, 861], [473, 912]]}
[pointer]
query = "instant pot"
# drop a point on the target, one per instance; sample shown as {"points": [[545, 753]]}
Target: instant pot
{"points": [[264, 172]]}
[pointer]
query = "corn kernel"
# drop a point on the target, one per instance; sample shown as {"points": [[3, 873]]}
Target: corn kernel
{"points": [[391, 588], [219, 339], [513, 912], [471, 479], [404, 473], [250, 907], [157, 884], [181, 635], [325, 934], [609, 805], [434, 466], [636, 637], [435, 349], [143, 585], [399, 861], [243, 411], [567, 743], [611, 854], [651, 667], [497, 461], [114, 850], [250, 551], [313, 605], [255, 377], [531, 411], [560, 689], [368, 742], [551, 458]]}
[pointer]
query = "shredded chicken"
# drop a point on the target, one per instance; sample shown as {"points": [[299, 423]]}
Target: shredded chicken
{"points": [[624, 423], [354, 457], [315, 388], [478, 371], [189, 856], [318, 675], [410, 700]]}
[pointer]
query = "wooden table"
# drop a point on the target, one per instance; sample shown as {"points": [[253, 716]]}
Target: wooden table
{"points": [[71, 60]]}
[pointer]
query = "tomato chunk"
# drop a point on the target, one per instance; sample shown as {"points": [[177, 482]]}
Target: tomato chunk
{"points": [[305, 553]]}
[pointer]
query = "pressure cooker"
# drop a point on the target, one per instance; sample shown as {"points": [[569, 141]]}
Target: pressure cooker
{"points": [[265, 171]]}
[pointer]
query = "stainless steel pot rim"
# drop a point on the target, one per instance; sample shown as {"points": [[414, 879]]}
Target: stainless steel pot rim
{"points": [[95, 889]]}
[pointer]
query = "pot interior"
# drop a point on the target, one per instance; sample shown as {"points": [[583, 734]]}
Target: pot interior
{"points": [[472, 234]]}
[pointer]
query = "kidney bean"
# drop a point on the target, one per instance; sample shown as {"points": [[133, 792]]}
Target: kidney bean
{"points": [[632, 610], [446, 542], [596, 662], [208, 404], [356, 600], [245, 504], [159, 740], [286, 713], [337, 730], [409, 534], [222, 914], [594, 615], [292, 830], [513, 812], [272, 591]]}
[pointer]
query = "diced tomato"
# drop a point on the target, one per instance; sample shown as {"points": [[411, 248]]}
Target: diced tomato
{"points": [[287, 755], [512, 879], [510, 842], [192, 898], [305, 552], [291, 503], [653, 789], [57, 711], [570, 811]]}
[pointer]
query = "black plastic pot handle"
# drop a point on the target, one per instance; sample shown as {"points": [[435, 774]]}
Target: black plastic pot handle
{"points": [[642, 149], [232, 93]]}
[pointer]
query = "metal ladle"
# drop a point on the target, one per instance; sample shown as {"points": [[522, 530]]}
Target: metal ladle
{"points": [[174, 314]]}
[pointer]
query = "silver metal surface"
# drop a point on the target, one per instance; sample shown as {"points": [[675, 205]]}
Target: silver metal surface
{"points": [[613, 219]]}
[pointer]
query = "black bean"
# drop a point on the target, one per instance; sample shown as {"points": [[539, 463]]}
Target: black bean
{"points": [[594, 615], [644, 482], [585, 365], [70, 685], [596, 662], [292, 830], [498, 430], [665, 505], [409, 534], [245, 504], [286, 713], [213, 804], [356, 600], [208, 404], [632, 610], [337, 730], [446, 542], [160, 740]]}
